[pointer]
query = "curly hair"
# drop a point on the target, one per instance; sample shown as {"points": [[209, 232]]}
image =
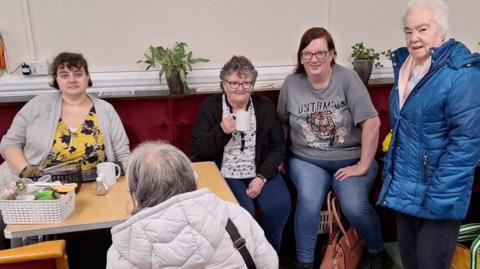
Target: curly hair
{"points": [[240, 66], [69, 60]]}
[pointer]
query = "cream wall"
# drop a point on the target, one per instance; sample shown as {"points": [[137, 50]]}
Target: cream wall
{"points": [[378, 23], [114, 34]]}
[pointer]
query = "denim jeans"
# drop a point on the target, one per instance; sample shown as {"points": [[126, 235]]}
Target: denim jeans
{"points": [[313, 179], [273, 201]]}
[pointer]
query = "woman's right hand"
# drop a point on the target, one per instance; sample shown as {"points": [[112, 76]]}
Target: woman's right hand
{"points": [[351, 171], [228, 124]]}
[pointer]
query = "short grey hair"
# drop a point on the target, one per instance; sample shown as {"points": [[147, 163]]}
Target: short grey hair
{"points": [[156, 172], [440, 12], [240, 66]]}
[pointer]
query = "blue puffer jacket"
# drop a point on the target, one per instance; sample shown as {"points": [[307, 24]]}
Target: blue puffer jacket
{"points": [[435, 143]]}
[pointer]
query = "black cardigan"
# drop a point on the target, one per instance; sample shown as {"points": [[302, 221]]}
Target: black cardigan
{"points": [[208, 139]]}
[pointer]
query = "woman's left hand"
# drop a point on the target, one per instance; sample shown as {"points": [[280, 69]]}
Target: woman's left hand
{"points": [[255, 187], [351, 171]]}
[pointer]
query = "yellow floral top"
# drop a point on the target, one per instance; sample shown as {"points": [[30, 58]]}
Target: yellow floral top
{"points": [[85, 145]]}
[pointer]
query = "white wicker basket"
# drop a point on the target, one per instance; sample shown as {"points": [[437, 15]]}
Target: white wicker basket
{"points": [[37, 211], [323, 226]]}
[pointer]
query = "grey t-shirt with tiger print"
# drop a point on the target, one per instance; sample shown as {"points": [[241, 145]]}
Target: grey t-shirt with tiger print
{"points": [[324, 124]]}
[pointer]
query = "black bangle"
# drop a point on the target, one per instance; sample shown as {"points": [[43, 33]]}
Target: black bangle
{"points": [[263, 178]]}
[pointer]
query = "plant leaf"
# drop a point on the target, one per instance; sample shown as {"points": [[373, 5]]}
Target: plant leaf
{"points": [[162, 71], [171, 60], [183, 78]]}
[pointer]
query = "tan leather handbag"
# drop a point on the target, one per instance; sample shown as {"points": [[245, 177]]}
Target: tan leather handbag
{"points": [[345, 248]]}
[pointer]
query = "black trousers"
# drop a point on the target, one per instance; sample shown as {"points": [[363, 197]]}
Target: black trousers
{"points": [[425, 243]]}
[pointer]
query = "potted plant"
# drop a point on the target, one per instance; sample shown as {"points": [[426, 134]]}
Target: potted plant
{"points": [[175, 64], [364, 59]]}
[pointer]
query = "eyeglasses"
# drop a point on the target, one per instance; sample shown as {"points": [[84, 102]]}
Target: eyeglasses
{"points": [[236, 84], [321, 54]]}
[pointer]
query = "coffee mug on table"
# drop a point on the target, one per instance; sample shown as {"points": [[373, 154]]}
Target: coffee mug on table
{"points": [[242, 120], [110, 172]]}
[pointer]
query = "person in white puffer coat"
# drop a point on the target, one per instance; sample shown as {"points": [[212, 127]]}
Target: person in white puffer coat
{"points": [[174, 225]]}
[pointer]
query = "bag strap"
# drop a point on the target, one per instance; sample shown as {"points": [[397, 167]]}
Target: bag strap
{"points": [[330, 212], [239, 244], [333, 210], [475, 253]]}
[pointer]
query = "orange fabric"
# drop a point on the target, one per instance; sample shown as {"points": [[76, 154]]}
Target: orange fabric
{"points": [[461, 258]]}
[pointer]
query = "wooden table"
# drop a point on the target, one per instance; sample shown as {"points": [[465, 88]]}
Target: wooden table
{"points": [[98, 212], [209, 177]]}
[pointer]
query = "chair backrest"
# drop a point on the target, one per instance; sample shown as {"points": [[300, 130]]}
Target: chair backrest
{"points": [[44, 255]]}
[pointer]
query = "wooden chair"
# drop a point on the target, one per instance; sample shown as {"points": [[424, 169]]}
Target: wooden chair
{"points": [[44, 255]]}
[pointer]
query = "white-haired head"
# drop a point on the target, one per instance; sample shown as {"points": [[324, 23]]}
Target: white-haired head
{"points": [[156, 172], [439, 9]]}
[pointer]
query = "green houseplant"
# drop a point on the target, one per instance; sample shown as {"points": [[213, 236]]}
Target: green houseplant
{"points": [[364, 59], [175, 64]]}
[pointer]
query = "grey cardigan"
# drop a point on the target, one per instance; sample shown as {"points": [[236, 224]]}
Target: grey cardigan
{"points": [[33, 129]]}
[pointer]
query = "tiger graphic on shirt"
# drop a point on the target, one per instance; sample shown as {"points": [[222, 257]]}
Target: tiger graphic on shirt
{"points": [[324, 126]]}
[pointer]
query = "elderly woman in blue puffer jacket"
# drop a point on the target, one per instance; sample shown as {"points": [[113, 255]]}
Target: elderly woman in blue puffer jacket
{"points": [[435, 118]]}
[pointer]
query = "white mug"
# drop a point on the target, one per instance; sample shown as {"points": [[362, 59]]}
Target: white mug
{"points": [[110, 172], [242, 120]]}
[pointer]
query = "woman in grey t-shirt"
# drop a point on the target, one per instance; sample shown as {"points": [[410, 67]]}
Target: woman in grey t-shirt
{"points": [[333, 129]]}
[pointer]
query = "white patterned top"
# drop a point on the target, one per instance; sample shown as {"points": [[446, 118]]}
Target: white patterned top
{"points": [[239, 153]]}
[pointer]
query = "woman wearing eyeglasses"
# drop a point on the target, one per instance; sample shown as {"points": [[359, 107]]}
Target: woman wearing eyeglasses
{"points": [[333, 127], [249, 159]]}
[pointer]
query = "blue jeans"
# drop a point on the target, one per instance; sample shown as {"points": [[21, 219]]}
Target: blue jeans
{"points": [[273, 201], [313, 179]]}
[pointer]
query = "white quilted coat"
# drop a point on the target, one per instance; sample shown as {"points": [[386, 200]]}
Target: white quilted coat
{"points": [[188, 231]]}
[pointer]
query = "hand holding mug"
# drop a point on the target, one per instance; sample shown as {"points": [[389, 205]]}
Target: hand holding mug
{"points": [[228, 124]]}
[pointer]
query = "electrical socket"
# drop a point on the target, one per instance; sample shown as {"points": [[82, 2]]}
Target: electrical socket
{"points": [[38, 68]]}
